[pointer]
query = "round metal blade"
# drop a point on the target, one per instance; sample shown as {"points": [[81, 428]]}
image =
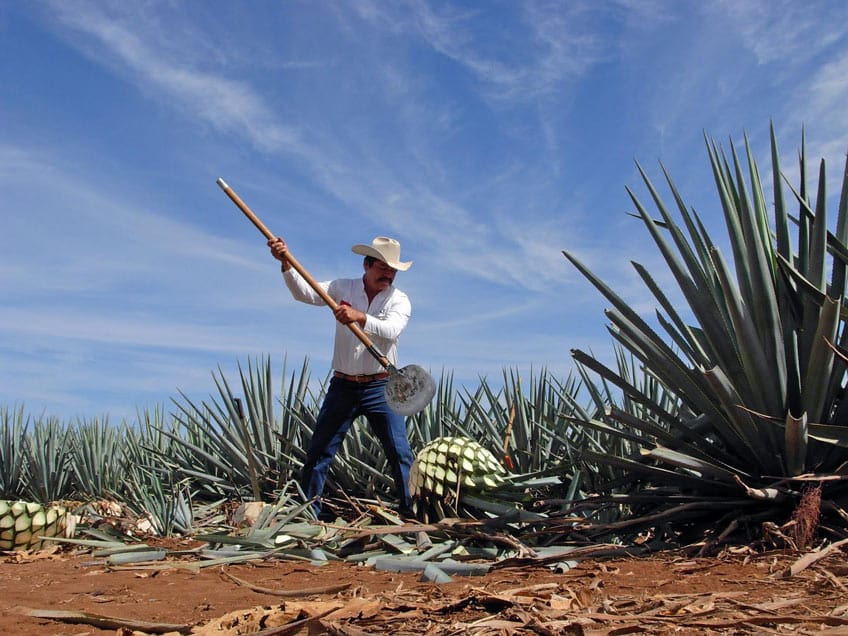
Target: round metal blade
{"points": [[410, 390]]}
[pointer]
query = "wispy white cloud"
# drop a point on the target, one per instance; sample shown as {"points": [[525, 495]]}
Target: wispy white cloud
{"points": [[825, 105], [787, 32], [800, 50], [229, 105], [521, 59], [73, 232]]}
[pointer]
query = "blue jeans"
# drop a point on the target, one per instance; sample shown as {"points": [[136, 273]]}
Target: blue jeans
{"points": [[344, 402]]}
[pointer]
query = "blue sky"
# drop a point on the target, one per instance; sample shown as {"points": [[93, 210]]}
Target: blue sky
{"points": [[485, 136]]}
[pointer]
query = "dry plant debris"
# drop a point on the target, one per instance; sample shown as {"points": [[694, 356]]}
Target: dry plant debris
{"points": [[805, 595], [455, 577]]}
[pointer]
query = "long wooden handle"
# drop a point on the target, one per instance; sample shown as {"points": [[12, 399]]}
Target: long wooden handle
{"points": [[354, 327]]}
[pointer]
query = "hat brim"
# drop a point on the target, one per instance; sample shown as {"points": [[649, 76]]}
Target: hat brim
{"points": [[367, 250]]}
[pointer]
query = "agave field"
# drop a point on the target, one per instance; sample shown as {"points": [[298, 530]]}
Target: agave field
{"points": [[724, 420]]}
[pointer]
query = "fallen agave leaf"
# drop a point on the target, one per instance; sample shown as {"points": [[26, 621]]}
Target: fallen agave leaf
{"points": [[109, 622]]}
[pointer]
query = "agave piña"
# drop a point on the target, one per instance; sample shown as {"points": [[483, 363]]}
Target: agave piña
{"points": [[25, 524], [449, 463]]}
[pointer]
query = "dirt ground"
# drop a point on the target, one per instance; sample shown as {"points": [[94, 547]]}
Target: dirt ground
{"points": [[661, 594]]}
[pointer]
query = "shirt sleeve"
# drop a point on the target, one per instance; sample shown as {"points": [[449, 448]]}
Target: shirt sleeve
{"points": [[392, 319], [302, 291]]}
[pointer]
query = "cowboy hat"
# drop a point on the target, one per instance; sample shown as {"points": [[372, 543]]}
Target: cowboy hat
{"points": [[385, 249]]}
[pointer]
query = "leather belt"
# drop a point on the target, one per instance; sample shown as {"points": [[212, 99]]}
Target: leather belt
{"points": [[361, 378]]}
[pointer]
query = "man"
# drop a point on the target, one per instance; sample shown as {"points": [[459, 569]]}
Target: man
{"points": [[358, 382]]}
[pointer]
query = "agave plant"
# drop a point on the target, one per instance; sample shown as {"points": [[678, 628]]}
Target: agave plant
{"points": [[48, 453], [99, 457], [527, 432], [230, 451], [159, 498], [530, 421], [751, 403], [13, 436], [527, 429]]}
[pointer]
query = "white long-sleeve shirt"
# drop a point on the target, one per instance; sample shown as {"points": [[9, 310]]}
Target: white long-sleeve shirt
{"points": [[385, 318]]}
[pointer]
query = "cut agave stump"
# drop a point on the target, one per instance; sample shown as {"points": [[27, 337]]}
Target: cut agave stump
{"points": [[24, 524]]}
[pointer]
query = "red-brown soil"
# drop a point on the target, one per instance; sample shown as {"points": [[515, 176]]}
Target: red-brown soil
{"points": [[660, 594]]}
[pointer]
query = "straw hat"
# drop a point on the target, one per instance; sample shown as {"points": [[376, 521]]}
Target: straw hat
{"points": [[385, 249]]}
